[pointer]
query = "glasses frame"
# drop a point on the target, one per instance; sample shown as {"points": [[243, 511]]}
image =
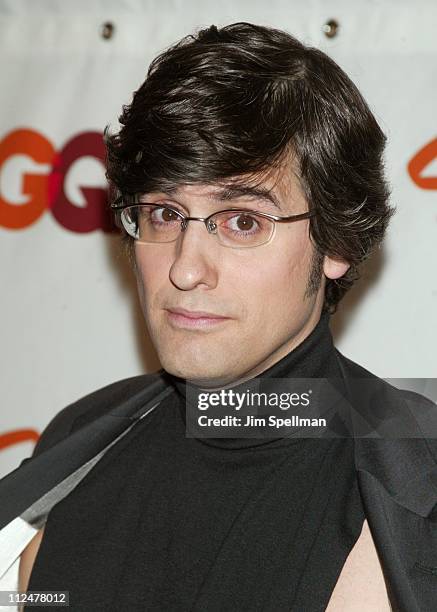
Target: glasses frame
{"points": [[211, 227]]}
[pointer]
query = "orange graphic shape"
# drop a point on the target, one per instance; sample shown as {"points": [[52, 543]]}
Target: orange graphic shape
{"points": [[10, 438], [426, 155], [34, 145]]}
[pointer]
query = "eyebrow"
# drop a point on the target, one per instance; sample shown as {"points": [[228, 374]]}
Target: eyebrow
{"points": [[232, 192]]}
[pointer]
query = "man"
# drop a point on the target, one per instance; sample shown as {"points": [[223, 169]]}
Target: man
{"points": [[247, 122]]}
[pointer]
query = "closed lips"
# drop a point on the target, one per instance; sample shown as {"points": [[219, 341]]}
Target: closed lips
{"points": [[195, 314]]}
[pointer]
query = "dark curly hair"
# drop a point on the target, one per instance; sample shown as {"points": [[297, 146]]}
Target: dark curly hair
{"points": [[238, 100]]}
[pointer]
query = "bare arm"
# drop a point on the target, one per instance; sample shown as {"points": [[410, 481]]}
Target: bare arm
{"points": [[27, 560], [361, 586]]}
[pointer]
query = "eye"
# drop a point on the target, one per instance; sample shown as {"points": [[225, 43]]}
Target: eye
{"points": [[163, 215], [243, 228], [242, 223]]}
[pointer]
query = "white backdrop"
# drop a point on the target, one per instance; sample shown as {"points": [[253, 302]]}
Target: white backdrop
{"points": [[69, 320]]}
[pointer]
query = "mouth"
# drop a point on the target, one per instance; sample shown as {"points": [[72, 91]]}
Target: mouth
{"points": [[194, 319]]}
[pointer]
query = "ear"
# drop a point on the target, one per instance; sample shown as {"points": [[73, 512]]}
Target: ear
{"points": [[334, 268]]}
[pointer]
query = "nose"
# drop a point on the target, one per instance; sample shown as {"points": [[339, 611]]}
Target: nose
{"points": [[196, 258]]}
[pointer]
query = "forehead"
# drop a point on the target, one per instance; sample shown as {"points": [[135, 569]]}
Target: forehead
{"points": [[278, 188]]}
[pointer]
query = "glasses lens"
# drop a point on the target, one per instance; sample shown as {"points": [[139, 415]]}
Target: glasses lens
{"points": [[243, 229], [148, 223]]}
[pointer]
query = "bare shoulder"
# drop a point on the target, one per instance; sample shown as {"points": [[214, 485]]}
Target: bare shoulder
{"points": [[360, 586], [27, 560]]}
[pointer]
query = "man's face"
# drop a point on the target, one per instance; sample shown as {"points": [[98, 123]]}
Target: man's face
{"points": [[259, 292]]}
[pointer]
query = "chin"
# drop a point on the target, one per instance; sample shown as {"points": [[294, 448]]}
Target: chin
{"points": [[185, 355], [184, 369], [193, 369]]}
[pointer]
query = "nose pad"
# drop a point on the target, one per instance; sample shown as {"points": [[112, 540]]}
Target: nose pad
{"points": [[211, 226]]}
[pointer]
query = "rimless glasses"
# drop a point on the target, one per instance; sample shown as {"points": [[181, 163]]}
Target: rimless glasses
{"points": [[233, 227]]}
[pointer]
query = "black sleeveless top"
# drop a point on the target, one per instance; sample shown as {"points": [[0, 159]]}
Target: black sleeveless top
{"points": [[169, 523]]}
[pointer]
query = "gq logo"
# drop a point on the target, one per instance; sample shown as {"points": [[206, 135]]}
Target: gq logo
{"points": [[45, 191]]}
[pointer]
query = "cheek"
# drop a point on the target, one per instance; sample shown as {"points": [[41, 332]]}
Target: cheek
{"points": [[276, 277], [294, 259], [150, 267]]}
